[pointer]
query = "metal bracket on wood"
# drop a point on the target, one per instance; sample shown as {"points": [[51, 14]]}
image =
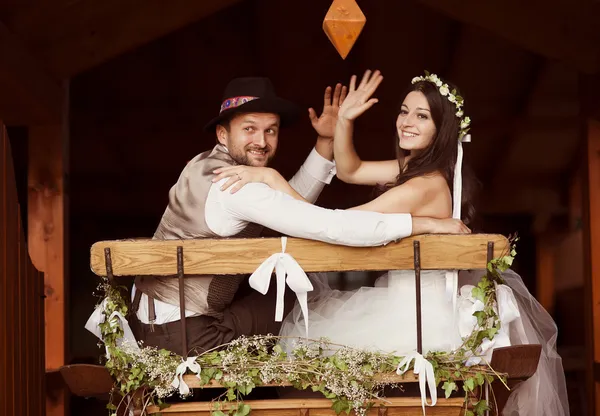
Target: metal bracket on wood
{"points": [[417, 262], [490, 252], [108, 262], [180, 275]]}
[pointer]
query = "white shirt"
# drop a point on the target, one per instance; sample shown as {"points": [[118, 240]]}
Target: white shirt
{"points": [[227, 214]]}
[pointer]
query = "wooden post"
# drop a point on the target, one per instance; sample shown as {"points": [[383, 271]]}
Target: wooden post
{"points": [[47, 231], [593, 253], [545, 258], [589, 89]]}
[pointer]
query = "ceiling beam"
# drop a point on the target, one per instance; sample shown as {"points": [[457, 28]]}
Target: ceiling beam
{"points": [[28, 94], [73, 36], [555, 30]]}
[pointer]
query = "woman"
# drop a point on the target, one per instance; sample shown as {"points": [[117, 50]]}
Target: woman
{"points": [[425, 180]]}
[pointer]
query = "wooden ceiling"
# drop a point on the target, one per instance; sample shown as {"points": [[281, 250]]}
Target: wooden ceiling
{"points": [[144, 69]]}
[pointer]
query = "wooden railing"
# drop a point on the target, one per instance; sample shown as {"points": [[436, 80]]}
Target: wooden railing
{"points": [[179, 258], [21, 304]]}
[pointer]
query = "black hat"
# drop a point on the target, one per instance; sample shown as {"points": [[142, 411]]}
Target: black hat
{"points": [[254, 95]]}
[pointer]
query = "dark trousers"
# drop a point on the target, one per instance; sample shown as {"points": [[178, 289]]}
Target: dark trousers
{"points": [[250, 313]]}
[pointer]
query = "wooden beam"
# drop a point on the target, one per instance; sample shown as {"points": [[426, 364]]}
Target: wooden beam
{"points": [[592, 256], [47, 225], [71, 37], [555, 31], [28, 94], [397, 406], [237, 256]]}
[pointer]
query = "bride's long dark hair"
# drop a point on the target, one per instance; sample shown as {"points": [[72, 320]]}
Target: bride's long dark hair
{"points": [[440, 155]]}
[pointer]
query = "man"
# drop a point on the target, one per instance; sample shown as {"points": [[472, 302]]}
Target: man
{"points": [[247, 130]]}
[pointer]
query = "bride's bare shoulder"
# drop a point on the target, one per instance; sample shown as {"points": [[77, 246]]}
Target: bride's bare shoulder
{"points": [[433, 183]]}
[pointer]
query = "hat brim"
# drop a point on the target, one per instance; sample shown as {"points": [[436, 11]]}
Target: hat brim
{"points": [[288, 112]]}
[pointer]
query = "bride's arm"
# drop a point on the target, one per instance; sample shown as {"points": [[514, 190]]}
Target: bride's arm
{"points": [[240, 175], [420, 197], [350, 168]]}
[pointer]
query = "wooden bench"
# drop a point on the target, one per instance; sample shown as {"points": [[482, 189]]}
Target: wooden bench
{"points": [[177, 258]]}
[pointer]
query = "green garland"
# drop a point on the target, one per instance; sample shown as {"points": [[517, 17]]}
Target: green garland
{"points": [[350, 377]]}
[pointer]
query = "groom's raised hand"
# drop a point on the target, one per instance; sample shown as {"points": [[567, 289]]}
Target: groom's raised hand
{"points": [[324, 125]]}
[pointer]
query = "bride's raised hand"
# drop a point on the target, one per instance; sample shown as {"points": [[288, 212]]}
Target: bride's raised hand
{"points": [[359, 98]]}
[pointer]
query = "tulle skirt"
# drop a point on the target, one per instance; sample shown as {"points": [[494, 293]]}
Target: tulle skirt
{"points": [[383, 318]]}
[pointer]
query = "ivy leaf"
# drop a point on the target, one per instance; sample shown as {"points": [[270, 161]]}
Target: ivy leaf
{"points": [[231, 395], [338, 406], [478, 293], [218, 413], [243, 410], [481, 317], [481, 407], [469, 384], [479, 379], [449, 387]]}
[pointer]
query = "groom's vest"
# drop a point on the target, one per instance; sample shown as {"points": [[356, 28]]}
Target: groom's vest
{"points": [[184, 219]]}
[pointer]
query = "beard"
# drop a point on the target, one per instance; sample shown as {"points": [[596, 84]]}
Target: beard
{"points": [[244, 157]]}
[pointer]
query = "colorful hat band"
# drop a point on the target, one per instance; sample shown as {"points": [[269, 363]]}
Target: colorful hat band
{"points": [[235, 102]]}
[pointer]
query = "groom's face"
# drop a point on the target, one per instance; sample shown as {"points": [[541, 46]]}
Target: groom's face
{"points": [[251, 138]]}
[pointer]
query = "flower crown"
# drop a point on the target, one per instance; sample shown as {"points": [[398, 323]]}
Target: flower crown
{"points": [[453, 97]]}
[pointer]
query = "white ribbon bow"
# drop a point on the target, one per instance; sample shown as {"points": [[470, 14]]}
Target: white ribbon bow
{"points": [[178, 383], [284, 265], [424, 369]]}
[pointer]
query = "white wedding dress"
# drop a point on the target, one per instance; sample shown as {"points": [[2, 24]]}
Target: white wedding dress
{"points": [[383, 318]]}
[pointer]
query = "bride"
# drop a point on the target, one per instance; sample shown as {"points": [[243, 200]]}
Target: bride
{"points": [[425, 179]]}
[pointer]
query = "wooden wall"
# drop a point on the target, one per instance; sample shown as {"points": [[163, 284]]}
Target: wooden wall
{"points": [[22, 386]]}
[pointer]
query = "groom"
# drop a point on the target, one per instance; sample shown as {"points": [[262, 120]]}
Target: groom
{"points": [[247, 129]]}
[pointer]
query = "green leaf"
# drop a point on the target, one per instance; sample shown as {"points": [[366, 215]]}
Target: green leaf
{"points": [[231, 395], [219, 375], [340, 405], [469, 384], [449, 387], [218, 413], [481, 317], [478, 294], [242, 410], [481, 407]]}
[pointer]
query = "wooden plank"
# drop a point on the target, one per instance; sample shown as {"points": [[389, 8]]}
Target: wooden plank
{"points": [[4, 154], [22, 354], [46, 231], [10, 275], [238, 256], [576, 44], [282, 407], [71, 37], [29, 94]]}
